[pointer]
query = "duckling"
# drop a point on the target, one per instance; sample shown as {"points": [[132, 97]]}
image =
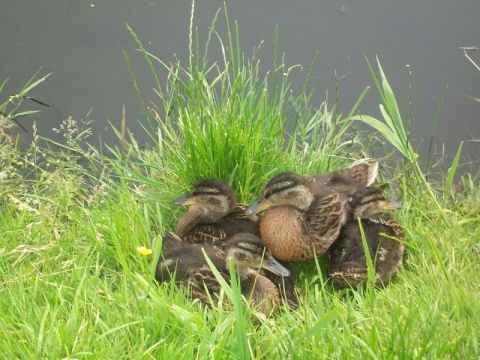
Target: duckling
{"points": [[213, 214], [305, 214], [247, 253], [347, 265], [214, 217]]}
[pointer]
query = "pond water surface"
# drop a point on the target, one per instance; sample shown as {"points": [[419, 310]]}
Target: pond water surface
{"points": [[81, 43]]}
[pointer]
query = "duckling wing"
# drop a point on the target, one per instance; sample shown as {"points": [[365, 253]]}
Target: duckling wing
{"points": [[325, 218], [206, 234]]}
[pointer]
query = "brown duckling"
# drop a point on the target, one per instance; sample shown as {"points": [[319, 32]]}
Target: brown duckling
{"points": [[247, 253], [305, 214], [214, 216], [348, 265]]}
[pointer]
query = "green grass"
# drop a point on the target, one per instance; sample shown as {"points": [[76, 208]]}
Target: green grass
{"points": [[72, 284]]}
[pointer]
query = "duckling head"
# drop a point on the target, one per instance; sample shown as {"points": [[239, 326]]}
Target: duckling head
{"points": [[285, 189], [248, 252], [369, 201], [209, 201]]}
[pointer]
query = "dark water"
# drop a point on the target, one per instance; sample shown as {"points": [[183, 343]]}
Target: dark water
{"points": [[81, 43]]}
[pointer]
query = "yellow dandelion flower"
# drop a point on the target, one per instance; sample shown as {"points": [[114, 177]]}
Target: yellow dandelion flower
{"points": [[144, 251]]}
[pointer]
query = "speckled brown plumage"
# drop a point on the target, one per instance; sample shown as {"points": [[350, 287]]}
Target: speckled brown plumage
{"points": [[305, 214], [248, 254], [347, 264]]}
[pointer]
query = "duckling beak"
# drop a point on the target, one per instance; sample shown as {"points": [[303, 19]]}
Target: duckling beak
{"points": [[185, 200], [258, 205], [270, 264]]}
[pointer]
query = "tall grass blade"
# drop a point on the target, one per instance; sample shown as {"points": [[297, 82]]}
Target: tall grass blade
{"points": [[239, 311], [434, 129], [371, 273], [451, 174]]}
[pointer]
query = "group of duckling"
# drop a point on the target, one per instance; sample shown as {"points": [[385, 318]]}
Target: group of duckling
{"points": [[304, 217]]}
